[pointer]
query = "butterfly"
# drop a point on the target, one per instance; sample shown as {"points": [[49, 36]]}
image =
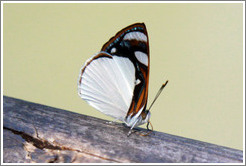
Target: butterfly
{"points": [[115, 80]]}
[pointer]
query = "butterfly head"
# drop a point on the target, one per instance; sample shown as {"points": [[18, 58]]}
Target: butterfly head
{"points": [[140, 118], [146, 116]]}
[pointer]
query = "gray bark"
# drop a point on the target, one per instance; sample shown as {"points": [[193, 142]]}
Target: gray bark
{"points": [[38, 133]]}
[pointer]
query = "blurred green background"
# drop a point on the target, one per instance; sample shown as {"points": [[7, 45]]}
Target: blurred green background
{"points": [[197, 47]]}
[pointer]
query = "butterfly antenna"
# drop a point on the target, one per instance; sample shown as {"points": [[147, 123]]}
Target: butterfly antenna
{"points": [[158, 93]]}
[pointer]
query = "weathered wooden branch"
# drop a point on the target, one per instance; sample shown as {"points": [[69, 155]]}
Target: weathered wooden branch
{"points": [[38, 133]]}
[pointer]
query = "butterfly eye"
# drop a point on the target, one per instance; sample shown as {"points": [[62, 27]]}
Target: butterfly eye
{"points": [[113, 50]]}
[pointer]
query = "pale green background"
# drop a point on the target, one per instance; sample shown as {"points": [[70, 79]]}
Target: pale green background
{"points": [[197, 47]]}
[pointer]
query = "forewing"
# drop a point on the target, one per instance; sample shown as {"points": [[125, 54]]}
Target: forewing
{"points": [[132, 42]]}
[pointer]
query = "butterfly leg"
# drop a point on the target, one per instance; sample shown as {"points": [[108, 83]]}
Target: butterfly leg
{"points": [[111, 122], [130, 131], [148, 125]]}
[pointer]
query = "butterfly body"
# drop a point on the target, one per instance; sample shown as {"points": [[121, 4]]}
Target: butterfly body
{"points": [[115, 80]]}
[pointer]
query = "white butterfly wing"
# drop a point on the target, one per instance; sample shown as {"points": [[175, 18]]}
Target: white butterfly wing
{"points": [[107, 83]]}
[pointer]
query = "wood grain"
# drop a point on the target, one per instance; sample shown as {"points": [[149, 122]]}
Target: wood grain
{"points": [[41, 134]]}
